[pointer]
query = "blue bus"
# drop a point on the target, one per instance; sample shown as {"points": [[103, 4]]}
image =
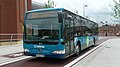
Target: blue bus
{"points": [[57, 33]]}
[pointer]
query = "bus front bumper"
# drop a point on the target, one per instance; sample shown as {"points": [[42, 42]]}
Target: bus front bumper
{"points": [[58, 56]]}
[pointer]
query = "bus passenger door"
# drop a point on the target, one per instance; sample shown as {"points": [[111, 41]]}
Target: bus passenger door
{"points": [[72, 36], [69, 39]]}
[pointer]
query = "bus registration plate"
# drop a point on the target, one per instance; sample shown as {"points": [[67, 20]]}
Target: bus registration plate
{"points": [[40, 55]]}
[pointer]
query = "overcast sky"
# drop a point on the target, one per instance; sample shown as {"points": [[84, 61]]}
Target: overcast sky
{"points": [[97, 10]]}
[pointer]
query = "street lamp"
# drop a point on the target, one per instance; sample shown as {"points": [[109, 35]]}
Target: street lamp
{"points": [[25, 6], [97, 18], [84, 9]]}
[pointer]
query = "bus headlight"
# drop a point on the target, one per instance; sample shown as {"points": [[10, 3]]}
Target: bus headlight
{"points": [[59, 52], [26, 50]]}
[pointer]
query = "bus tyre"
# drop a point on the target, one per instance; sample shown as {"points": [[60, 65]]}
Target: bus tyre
{"points": [[77, 50], [94, 42]]}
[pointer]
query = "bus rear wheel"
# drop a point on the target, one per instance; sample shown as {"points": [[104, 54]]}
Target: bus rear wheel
{"points": [[94, 42]]}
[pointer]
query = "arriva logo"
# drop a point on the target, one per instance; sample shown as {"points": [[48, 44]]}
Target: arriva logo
{"points": [[38, 46]]}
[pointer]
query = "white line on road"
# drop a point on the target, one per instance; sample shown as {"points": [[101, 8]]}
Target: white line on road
{"points": [[12, 61], [84, 55]]}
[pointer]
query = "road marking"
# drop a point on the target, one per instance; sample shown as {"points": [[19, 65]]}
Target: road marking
{"points": [[16, 55], [15, 60], [84, 55]]}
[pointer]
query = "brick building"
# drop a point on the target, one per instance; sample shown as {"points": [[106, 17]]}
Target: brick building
{"points": [[12, 16], [109, 30]]}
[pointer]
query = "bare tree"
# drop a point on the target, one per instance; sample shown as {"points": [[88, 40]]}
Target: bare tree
{"points": [[76, 11], [50, 4], [116, 9]]}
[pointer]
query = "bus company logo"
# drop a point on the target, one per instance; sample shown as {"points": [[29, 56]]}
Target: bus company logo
{"points": [[40, 50], [37, 46]]}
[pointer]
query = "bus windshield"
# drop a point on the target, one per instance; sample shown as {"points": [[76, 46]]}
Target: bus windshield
{"points": [[42, 29]]}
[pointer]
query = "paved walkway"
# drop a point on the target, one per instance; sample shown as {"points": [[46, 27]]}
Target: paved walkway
{"points": [[10, 49], [106, 56], [5, 50]]}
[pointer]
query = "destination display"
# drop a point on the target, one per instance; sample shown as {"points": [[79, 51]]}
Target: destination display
{"points": [[42, 14]]}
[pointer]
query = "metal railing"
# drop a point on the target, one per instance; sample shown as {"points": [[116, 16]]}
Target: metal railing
{"points": [[9, 38]]}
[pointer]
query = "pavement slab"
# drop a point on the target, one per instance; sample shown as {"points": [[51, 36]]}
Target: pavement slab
{"points": [[107, 55]]}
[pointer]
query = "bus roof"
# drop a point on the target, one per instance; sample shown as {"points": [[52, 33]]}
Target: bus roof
{"points": [[50, 9], [45, 9]]}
